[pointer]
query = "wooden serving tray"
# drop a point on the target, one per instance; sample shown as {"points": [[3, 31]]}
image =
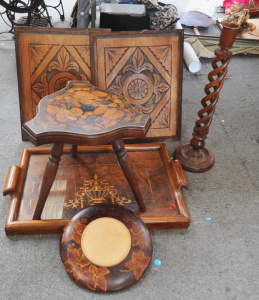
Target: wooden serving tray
{"points": [[95, 177]]}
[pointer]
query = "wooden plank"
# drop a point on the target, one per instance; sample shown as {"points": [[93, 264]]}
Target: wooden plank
{"points": [[146, 68]]}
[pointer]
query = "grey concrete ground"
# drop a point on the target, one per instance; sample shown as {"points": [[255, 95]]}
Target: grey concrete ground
{"points": [[215, 259]]}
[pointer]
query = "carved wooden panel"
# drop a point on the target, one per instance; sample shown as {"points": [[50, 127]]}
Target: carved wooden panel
{"points": [[146, 68], [46, 59]]}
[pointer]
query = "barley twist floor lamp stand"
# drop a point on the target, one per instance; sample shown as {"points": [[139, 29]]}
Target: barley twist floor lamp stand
{"points": [[195, 157]]}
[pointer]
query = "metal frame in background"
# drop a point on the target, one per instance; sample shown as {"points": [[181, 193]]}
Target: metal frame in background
{"points": [[32, 10], [84, 18]]}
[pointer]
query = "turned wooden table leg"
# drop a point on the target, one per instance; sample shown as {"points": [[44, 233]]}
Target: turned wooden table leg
{"points": [[194, 157], [74, 150], [128, 171], [48, 178]]}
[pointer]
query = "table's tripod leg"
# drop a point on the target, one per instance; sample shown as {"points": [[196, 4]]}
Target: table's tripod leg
{"points": [[74, 150], [127, 169], [48, 178]]}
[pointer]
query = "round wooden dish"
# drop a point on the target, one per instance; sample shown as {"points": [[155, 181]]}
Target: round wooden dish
{"points": [[106, 278]]}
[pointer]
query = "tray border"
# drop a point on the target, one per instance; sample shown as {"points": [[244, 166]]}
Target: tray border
{"points": [[16, 177]]}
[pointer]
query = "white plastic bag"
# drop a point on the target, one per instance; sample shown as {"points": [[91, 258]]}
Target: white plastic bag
{"points": [[198, 13]]}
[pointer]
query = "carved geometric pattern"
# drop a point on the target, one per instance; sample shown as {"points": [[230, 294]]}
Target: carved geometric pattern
{"points": [[84, 52], [163, 54], [37, 53], [139, 82], [163, 118], [147, 72], [46, 59], [112, 57], [61, 67]]}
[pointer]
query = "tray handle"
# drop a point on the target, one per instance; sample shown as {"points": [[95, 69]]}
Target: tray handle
{"points": [[180, 182], [179, 176], [11, 180]]}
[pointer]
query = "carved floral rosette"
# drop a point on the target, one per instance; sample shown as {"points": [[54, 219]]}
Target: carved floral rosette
{"points": [[146, 69], [62, 67], [140, 82], [106, 279]]}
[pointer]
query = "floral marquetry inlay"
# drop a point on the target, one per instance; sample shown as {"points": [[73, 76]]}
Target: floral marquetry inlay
{"points": [[81, 108], [96, 191], [100, 278]]}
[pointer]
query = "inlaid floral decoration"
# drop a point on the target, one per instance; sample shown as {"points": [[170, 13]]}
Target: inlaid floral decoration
{"points": [[96, 191], [100, 278], [137, 264], [86, 107], [81, 268]]}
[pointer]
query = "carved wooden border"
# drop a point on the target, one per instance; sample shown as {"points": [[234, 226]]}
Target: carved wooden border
{"points": [[46, 59], [146, 68]]}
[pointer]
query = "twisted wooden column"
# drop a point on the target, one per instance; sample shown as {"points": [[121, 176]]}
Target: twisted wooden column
{"points": [[194, 157]]}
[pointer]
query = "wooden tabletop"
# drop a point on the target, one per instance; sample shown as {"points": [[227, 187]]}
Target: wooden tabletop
{"points": [[82, 113]]}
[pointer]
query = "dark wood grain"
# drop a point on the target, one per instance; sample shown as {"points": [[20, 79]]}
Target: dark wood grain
{"points": [[48, 178], [127, 168], [93, 177], [84, 114], [106, 279], [195, 157]]}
